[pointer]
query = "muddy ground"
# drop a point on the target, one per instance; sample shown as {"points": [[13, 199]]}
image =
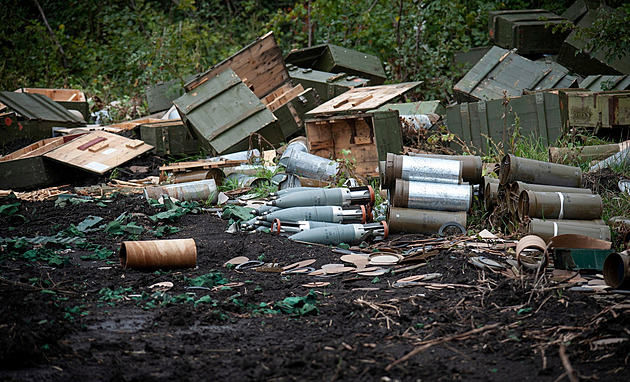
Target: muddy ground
{"points": [[69, 311]]}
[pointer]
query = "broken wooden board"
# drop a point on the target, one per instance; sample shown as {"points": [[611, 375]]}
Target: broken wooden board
{"points": [[105, 154], [128, 125], [363, 99]]}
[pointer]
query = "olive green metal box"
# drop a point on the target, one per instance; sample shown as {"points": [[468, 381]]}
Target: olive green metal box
{"points": [[591, 62], [170, 137], [416, 108], [337, 59], [484, 124], [528, 31], [502, 73], [327, 85], [161, 95]]}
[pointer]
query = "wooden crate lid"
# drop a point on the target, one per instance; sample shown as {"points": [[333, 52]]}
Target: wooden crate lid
{"points": [[363, 99], [98, 151]]}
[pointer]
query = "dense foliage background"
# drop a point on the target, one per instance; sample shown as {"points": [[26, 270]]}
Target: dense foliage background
{"points": [[115, 48]]}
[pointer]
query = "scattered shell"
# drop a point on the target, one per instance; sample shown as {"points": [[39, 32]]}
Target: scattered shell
{"points": [[338, 270], [162, 286], [317, 284], [300, 264], [384, 259], [236, 261], [377, 272]]}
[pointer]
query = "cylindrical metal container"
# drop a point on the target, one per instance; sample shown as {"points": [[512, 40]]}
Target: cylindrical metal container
{"points": [[250, 169], [490, 195], [213, 173], [487, 179], [559, 205], [531, 252], [241, 155], [514, 168], [311, 166], [518, 187], [432, 196], [620, 222], [200, 190], [295, 145], [407, 220], [617, 270], [582, 154], [421, 169], [472, 165], [158, 254], [549, 229], [243, 180]]}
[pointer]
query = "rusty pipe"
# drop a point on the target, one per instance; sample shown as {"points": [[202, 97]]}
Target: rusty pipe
{"points": [[531, 252], [158, 254], [559, 205], [617, 270], [198, 190], [408, 220], [514, 168], [490, 195]]}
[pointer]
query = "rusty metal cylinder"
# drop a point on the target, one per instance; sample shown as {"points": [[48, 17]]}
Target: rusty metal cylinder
{"points": [[472, 165], [617, 270], [408, 220], [518, 187], [158, 254], [582, 154], [531, 252], [559, 205], [432, 196], [533, 171], [192, 176], [421, 169], [490, 195], [548, 229], [200, 190]]}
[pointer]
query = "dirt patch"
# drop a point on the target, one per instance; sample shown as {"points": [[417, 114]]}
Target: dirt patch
{"points": [[90, 319]]}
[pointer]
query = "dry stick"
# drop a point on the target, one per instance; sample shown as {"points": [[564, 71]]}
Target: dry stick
{"points": [[567, 364], [427, 344], [64, 59]]}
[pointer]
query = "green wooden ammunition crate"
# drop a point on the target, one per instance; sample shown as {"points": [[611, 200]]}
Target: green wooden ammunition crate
{"points": [[291, 114], [368, 137], [222, 112], [161, 95], [467, 59], [35, 116], [590, 62], [502, 71], [600, 82], [595, 110], [170, 137], [578, 9], [530, 31], [477, 122], [27, 168], [327, 85], [337, 59]]}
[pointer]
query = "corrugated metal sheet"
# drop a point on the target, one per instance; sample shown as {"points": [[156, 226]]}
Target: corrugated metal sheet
{"points": [[37, 107]]}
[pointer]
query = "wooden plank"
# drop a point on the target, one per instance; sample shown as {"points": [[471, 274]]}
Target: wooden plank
{"points": [[183, 166], [101, 161], [91, 143], [282, 99], [365, 98], [99, 147]]}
